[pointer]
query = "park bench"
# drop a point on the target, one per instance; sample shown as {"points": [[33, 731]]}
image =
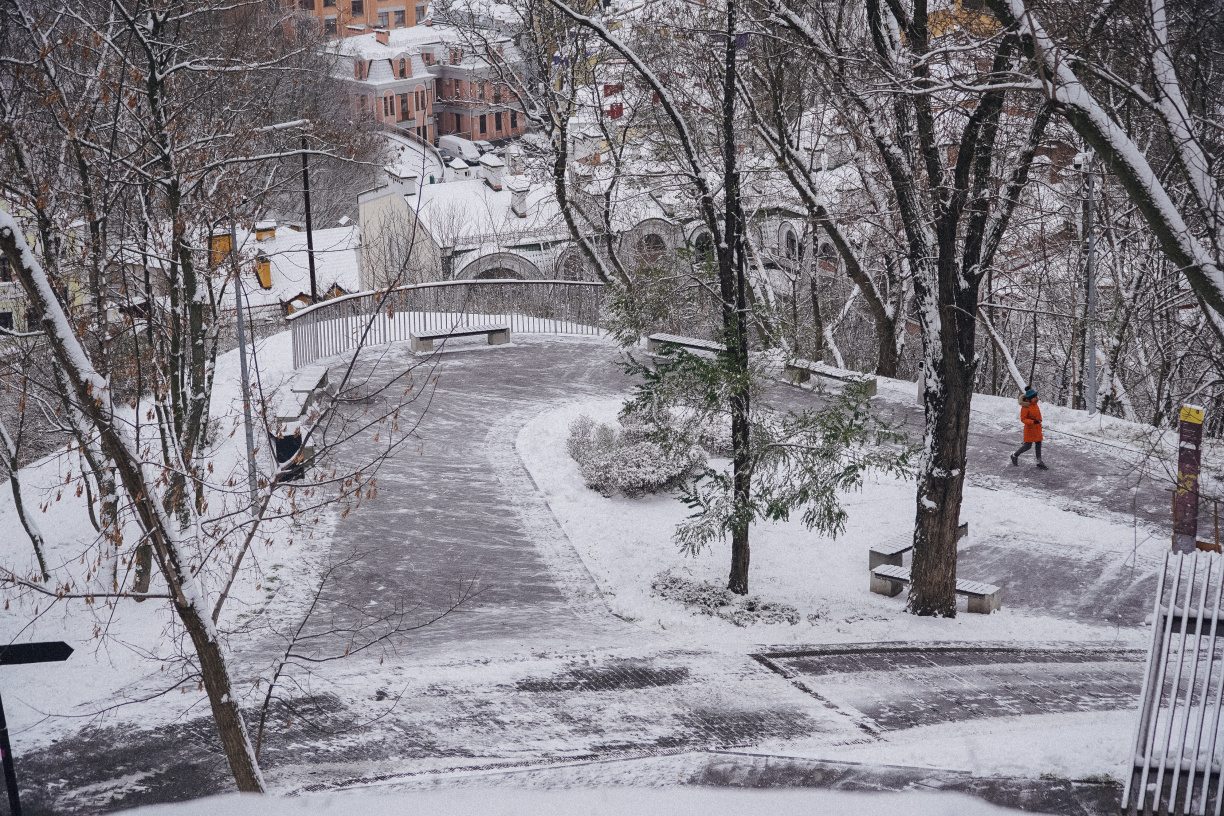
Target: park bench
{"points": [[889, 580], [656, 342], [302, 392], [891, 551], [498, 333], [291, 410], [800, 371]]}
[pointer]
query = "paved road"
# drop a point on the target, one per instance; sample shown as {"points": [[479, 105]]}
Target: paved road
{"points": [[535, 666]]}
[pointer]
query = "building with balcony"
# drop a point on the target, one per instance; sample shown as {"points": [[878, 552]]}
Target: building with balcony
{"points": [[424, 81]]}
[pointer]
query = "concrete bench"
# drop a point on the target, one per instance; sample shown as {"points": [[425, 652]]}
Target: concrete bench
{"points": [[891, 551], [983, 598], [655, 343], [800, 371], [423, 341]]}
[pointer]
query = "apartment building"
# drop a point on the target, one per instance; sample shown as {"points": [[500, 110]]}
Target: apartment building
{"points": [[347, 18], [422, 79]]}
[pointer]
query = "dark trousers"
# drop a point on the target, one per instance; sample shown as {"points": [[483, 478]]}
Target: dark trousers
{"points": [[1024, 449]]}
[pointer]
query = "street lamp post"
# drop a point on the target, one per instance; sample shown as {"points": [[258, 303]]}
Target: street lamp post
{"points": [[310, 259]]}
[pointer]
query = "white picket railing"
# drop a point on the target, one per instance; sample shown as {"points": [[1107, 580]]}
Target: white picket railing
{"points": [[375, 318]]}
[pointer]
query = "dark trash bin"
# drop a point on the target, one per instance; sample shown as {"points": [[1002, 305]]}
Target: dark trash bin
{"points": [[285, 447]]}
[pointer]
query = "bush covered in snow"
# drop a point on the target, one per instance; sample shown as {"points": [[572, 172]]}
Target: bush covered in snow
{"points": [[717, 601], [628, 460]]}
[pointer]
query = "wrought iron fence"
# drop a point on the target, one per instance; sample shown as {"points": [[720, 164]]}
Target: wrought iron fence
{"points": [[376, 318]]}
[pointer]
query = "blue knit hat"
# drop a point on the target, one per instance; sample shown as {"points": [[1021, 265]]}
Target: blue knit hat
{"points": [[1029, 392]]}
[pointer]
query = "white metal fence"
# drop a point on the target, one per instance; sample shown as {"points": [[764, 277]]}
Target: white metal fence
{"points": [[375, 318], [1178, 742]]}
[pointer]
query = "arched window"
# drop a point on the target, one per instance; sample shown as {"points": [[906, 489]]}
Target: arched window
{"points": [[498, 272], [705, 248], [792, 246], [826, 258], [651, 247], [572, 266]]}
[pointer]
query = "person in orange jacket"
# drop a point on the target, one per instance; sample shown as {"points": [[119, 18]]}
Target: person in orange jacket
{"points": [[1030, 415]]}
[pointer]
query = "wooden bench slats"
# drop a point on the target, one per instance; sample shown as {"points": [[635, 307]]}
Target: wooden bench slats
{"points": [[656, 340], [799, 371], [963, 586], [894, 547], [309, 379], [461, 331], [499, 334]]}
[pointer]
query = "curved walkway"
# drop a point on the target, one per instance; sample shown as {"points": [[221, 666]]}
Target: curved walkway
{"points": [[535, 669]]}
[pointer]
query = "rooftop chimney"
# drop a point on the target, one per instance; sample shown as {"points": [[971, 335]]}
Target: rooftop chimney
{"points": [[518, 187], [514, 160], [382, 35], [265, 230], [491, 170]]}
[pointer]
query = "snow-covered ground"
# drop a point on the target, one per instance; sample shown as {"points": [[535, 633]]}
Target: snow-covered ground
{"points": [[605, 802], [122, 647], [475, 700], [626, 543]]}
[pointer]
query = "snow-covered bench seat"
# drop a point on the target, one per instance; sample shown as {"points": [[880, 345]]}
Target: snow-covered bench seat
{"points": [[302, 392], [983, 598], [655, 342], [800, 371], [891, 551], [498, 333]]}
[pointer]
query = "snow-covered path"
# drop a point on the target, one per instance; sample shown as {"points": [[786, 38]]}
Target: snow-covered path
{"points": [[536, 669]]}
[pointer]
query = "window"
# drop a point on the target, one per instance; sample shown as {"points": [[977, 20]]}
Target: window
{"points": [[388, 106], [456, 56], [427, 57], [359, 69], [481, 91], [420, 14], [458, 121], [400, 19], [306, 5], [651, 247], [358, 8], [404, 68], [497, 122], [329, 26], [6, 320], [421, 104], [403, 102], [497, 95], [705, 248], [514, 120], [329, 3], [384, 19], [483, 125], [6, 271]]}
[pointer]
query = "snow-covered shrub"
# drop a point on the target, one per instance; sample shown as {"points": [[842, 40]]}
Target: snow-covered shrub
{"points": [[628, 460], [718, 601]]}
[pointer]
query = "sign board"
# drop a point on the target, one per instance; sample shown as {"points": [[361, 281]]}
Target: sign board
{"points": [[46, 652], [51, 651], [1189, 463]]}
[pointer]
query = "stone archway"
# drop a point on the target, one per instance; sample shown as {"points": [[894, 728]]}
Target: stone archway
{"points": [[503, 265]]}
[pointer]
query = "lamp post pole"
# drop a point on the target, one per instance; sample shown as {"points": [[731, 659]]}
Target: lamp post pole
{"points": [[310, 259], [252, 481], [1093, 389]]}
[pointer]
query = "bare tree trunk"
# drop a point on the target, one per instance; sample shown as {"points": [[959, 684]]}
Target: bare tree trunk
{"points": [[92, 396]]}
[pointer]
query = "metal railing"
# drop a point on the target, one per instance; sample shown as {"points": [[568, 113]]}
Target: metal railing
{"points": [[376, 318], [1178, 746]]}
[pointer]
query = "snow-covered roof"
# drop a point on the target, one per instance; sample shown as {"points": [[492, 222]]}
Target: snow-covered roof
{"points": [[336, 263], [470, 212]]}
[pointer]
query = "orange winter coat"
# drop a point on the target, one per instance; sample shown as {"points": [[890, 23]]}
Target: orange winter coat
{"points": [[1030, 415]]}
